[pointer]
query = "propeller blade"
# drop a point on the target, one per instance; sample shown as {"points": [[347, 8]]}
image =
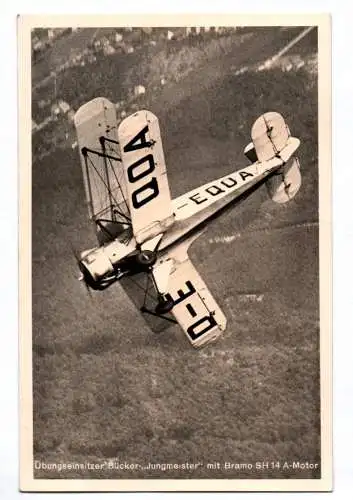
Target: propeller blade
{"points": [[89, 291], [77, 256]]}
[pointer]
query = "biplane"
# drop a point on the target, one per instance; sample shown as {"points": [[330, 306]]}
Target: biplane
{"points": [[141, 230]]}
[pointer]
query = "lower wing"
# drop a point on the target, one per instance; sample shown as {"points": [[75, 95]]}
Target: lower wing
{"points": [[194, 308]]}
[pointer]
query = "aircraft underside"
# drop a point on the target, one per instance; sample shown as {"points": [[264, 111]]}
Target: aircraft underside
{"points": [[141, 230]]}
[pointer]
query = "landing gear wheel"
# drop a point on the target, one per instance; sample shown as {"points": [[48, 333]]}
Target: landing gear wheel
{"points": [[164, 306], [146, 258]]}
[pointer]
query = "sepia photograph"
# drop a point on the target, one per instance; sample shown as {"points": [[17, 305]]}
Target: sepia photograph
{"points": [[175, 217]]}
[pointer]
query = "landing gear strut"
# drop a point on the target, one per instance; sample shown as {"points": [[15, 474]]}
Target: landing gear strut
{"points": [[164, 305], [146, 260]]}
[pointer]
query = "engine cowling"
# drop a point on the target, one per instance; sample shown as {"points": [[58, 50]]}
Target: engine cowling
{"points": [[95, 265], [102, 266]]}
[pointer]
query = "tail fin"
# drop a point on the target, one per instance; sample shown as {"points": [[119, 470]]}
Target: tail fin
{"points": [[271, 138]]}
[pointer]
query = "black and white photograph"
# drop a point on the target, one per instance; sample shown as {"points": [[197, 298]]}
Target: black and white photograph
{"points": [[175, 216]]}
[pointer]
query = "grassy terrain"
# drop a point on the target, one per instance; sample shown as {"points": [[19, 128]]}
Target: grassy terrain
{"points": [[115, 76], [104, 386]]}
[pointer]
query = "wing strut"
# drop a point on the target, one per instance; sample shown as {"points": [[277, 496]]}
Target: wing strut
{"points": [[147, 294], [113, 202]]}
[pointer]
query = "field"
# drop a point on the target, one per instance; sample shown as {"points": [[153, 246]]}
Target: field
{"points": [[104, 385]]}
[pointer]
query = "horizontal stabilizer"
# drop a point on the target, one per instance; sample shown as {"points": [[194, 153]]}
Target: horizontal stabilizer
{"points": [[285, 183], [269, 135]]}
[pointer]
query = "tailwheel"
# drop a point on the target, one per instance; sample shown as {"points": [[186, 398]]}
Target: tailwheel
{"points": [[164, 305], [146, 258]]}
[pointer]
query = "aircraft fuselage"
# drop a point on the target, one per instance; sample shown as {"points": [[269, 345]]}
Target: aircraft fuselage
{"points": [[103, 265]]}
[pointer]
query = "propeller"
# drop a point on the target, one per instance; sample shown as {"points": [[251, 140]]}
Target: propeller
{"points": [[83, 275]]}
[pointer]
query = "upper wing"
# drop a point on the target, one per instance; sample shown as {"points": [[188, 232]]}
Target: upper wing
{"points": [[194, 307], [97, 136], [145, 175]]}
